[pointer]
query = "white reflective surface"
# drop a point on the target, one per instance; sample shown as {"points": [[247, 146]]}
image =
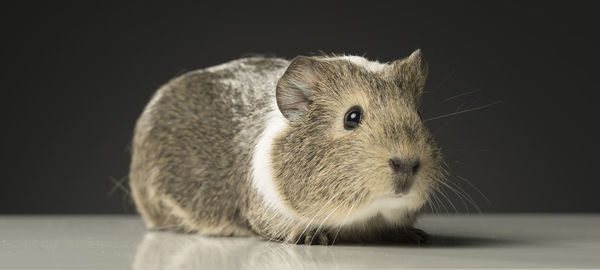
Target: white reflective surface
{"points": [[121, 242]]}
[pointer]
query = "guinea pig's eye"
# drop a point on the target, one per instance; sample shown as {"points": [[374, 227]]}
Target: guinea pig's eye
{"points": [[352, 118]]}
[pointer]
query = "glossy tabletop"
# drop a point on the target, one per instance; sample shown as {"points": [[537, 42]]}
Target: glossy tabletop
{"points": [[459, 241]]}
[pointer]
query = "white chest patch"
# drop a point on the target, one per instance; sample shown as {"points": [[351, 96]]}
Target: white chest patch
{"points": [[394, 210], [262, 178]]}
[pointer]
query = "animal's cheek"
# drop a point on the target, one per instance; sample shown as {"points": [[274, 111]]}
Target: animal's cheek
{"points": [[377, 187], [427, 179], [303, 196]]}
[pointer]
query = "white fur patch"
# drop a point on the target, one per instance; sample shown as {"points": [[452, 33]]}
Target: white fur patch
{"points": [[262, 178], [372, 66], [393, 210]]}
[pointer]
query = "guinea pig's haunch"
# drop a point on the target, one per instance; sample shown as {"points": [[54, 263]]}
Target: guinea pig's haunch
{"points": [[315, 150]]}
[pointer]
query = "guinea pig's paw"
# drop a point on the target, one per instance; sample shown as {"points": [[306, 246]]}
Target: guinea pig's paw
{"points": [[314, 237], [409, 235]]}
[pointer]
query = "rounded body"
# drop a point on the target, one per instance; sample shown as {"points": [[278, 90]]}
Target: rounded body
{"points": [[193, 146], [237, 149]]}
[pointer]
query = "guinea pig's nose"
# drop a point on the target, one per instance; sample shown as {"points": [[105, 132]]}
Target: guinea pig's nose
{"points": [[408, 166]]}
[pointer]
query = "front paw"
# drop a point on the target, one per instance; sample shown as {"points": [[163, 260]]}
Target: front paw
{"points": [[408, 235], [314, 237]]}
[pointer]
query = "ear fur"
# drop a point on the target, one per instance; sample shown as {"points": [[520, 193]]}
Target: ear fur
{"points": [[295, 89], [410, 73]]}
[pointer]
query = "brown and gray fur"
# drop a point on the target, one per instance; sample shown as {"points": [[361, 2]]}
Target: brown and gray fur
{"points": [[199, 155]]}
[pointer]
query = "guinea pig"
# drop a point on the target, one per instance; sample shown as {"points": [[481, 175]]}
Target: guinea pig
{"points": [[310, 151]]}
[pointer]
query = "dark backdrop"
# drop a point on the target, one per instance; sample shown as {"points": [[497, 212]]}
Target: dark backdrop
{"points": [[75, 76]]}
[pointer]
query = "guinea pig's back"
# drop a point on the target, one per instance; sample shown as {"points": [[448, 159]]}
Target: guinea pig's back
{"points": [[187, 140]]}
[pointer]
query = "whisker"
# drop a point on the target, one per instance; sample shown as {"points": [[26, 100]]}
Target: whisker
{"points": [[457, 195], [471, 149], [461, 195], [432, 205], [118, 184], [268, 222], [438, 200], [335, 209], [342, 222], [437, 207], [467, 196], [444, 81], [462, 94], [449, 201], [449, 120], [464, 111], [320, 210], [475, 188], [289, 223]]}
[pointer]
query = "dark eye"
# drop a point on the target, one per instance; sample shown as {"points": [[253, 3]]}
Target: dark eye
{"points": [[352, 118]]}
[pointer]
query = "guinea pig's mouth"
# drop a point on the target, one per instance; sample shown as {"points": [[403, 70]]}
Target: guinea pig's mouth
{"points": [[402, 185], [400, 190], [397, 195]]}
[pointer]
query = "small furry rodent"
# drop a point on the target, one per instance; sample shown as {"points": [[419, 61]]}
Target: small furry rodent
{"points": [[313, 150]]}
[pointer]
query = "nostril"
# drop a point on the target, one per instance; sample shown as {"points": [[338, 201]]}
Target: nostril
{"points": [[416, 167], [396, 164], [404, 166]]}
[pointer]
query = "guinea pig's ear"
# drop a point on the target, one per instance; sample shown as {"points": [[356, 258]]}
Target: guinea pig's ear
{"points": [[410, 73], [295, 89]]}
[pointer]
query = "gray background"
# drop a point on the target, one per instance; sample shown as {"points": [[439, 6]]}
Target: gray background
{"points": [[75, 77]]}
